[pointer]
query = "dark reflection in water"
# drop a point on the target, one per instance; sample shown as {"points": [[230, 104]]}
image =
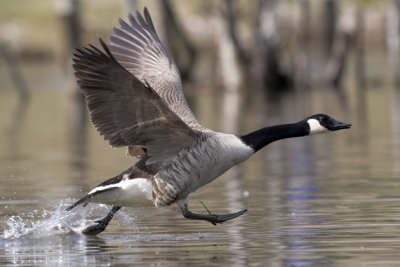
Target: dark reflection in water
{"points": [[14, 129], [77, 124], [311, 201]]}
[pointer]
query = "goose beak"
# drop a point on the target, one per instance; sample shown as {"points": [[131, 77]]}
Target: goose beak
{"points": [[337, 125]]}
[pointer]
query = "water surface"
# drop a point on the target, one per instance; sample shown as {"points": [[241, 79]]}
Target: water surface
{"points": [[327, 199]]}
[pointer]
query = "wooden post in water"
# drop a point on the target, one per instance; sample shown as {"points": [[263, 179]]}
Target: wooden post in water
{"points": [[266, 59], [340, 50], [302, 58], [69, 13], [329, 14], [177, 42], [9, 43], [393, 39]]}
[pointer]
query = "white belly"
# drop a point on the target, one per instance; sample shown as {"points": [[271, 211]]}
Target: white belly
{"points": [[127, 193]]}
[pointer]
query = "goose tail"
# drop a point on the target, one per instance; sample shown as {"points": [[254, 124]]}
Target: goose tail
{"points": [[128, 189]]}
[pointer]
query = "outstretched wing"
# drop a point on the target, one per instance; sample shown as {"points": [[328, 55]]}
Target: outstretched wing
{"points": [[136, 46], [126, 111]]}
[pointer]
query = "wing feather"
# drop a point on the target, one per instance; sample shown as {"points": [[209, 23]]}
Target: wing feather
{"points": [[126, 111], [136, 46]]}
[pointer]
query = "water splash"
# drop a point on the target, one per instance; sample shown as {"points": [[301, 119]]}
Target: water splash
{"points": [[56, 221]]}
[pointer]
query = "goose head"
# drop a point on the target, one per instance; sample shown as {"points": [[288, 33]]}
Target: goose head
{"points": [[321, 123], [318, 123]]}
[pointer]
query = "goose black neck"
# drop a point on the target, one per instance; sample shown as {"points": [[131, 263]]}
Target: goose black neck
{"points": [[264, 136]]}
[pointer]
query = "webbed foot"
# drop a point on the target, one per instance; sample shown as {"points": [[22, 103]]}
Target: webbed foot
{"points": [[100, 225], [212, 218]]}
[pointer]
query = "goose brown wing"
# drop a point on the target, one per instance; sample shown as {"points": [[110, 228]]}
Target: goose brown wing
{"points": [[126, 111], [136, 46]]}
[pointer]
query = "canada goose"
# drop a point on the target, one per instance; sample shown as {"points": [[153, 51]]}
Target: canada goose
{"points": [[134, 95]]}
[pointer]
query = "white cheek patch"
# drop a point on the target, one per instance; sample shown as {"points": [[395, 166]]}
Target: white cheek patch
{"points": [[316, 127]]}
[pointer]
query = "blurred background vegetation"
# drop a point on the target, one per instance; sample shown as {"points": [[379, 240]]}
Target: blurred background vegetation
{"points": [[239, 51], [275, 45]]}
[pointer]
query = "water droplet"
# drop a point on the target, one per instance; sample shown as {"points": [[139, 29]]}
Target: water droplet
{"points": [[55, 221]]}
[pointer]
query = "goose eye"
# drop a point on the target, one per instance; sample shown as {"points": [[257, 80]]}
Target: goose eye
{"points": [[325, 120]]}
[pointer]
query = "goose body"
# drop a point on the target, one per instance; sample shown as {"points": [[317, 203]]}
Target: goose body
{"points": [[134, 95], [197, 166]]}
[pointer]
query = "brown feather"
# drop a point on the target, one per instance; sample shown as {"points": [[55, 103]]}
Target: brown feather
{"points": [[126, 111]]}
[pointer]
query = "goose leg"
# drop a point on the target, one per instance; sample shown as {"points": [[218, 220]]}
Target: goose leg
{"points": [[212, 218], [101, 225]]}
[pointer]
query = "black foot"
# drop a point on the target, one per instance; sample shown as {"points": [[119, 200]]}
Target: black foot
{"points": [[101, 225], [212, 218]]}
